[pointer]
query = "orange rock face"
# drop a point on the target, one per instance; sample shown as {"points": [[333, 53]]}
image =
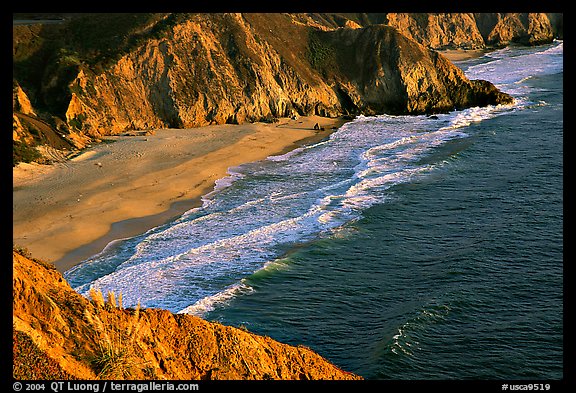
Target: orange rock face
{"points": [[90, 339]]}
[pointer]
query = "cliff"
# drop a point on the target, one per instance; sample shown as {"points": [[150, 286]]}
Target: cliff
{"points": [[118, 72], [499, 30], [58, 334], [454, 30], [378, 70], [230, 69], [439, 31], [477, 30]]}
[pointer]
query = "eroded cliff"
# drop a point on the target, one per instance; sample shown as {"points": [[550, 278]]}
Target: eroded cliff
{"points": [[188, 70], [58, 334], [224, 69], [378, 70], [451, 30], [476, 30]]}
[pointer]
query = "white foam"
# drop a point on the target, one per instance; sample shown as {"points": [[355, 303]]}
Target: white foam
{"points": [[259, 210], [231, 239], [286, 156], [513, 65], [227, 181], [476, 114], [209, 303]]}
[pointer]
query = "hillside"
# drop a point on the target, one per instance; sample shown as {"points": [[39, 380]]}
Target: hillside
{"points": [[58, 334], [101, 74], [95, 75]]}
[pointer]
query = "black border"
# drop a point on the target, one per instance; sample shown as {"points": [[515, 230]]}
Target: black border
{"points": [[566, 384]]}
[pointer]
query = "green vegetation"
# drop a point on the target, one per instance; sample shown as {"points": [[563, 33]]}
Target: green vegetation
{"points": [[24, 153], [102, 39], [76, 122], [321, 54], [46, 58]]}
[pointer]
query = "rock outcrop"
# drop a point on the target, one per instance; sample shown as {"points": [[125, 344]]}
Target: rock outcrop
{"points": [[378, 70], [176, 70], [476, 30], [438, 31], [453, 30], [60, 334], [499, 30], [235, 68]]}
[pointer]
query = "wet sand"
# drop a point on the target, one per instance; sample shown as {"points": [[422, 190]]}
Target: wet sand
{"points": [[68, 211]]}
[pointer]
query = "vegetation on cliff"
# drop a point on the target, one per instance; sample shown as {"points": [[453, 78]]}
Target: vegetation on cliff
{"points": [[99, 74], [59, 334]]}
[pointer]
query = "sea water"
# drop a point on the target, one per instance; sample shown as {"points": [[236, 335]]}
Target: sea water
{"points": [[401, 247]]}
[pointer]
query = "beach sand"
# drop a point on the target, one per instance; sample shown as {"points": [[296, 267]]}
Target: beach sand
{"points": [[68, 211], [462, 54]]}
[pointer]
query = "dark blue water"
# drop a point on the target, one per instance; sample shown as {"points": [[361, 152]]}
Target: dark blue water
{"points": [[458, 275], [403, 247]]}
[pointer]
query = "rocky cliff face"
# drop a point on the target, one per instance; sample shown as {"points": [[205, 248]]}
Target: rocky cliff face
{"points": [[378, 70], [439, 30], [193, 70], [476, 30], [499, 30], [229, 69], [208, 69], [453, 30], [60, 334]]}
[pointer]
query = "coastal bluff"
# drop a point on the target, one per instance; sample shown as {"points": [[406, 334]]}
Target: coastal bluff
{"points": [[105, 74], [59, 334], [238, 74]]}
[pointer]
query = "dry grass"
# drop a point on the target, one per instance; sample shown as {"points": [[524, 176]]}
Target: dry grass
{"points": [[23, 251], [116, 354]]}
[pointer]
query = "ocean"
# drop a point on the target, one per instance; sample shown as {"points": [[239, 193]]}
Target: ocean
{"points": [[400, 248]]}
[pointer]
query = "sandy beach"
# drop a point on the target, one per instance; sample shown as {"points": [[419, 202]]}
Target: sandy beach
{"points": [[462, 54], [65, 212]]}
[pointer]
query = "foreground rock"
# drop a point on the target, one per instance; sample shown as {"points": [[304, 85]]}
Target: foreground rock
{"points": [[58, 334]]}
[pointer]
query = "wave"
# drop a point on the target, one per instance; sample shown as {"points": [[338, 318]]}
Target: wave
{"points": [[209, 303], [261, 210], [286, 156], [202, 258], [511, 65], [405, 341], [234, 174], [476, 114], [221, 299]]}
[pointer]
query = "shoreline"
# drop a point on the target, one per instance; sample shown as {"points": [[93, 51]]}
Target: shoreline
{"points": [[135, 183], [456, 55]]}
